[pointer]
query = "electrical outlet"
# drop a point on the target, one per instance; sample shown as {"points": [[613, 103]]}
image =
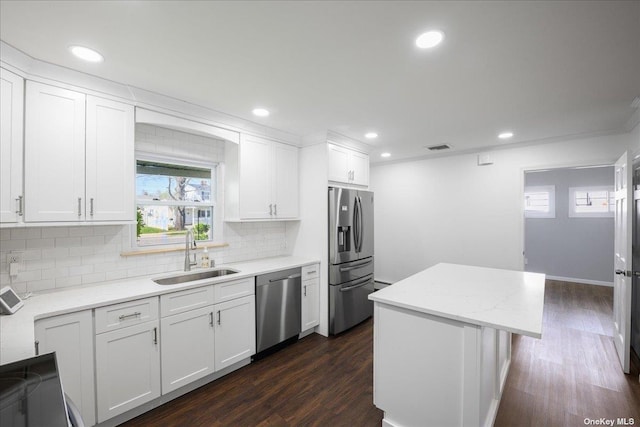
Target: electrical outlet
{"points": [[14, 257]]}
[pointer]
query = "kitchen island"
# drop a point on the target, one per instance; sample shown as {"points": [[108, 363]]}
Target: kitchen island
{"points": [[442, 342]]}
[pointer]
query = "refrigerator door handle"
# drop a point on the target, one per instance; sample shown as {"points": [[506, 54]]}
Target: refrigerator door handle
{"points": [[356, 226], [358, 285], [360, 236], [354, 266]]}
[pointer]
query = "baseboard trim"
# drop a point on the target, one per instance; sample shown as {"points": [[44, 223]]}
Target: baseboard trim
{"points": [[584, 281]]}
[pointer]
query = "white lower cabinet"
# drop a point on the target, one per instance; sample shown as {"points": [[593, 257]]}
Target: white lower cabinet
{"points": [[71, 337], [187, 347], [310, 304], [127, 368], [235, 331]]}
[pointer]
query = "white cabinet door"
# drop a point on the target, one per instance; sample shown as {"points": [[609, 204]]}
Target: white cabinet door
{"points": [[310, 304], [359, 168], [348, 166], [255, 178], [71, 337], [54, 153], [338, 164], [127, 368], [235, 334], [285, 169], [109, 160], [11, 120], [187, 347]]}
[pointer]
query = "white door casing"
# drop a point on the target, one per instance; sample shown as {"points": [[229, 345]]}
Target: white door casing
{"points": [[622, 259]]}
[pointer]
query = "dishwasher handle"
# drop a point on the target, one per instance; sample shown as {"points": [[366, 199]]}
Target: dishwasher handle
{"points": [[293, 276]]}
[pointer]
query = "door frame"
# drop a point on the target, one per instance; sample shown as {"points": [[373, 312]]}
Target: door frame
{"points": [[542, 167]]}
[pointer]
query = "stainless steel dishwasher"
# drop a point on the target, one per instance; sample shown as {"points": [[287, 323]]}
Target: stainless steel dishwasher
{"points": [[277, 307]]}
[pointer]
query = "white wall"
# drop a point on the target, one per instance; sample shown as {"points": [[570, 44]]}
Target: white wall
{"points": [[448, 209], [60, 257]]}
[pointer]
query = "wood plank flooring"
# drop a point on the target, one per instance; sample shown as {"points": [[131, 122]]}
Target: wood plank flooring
{"points": [[573, 372], [569, 375]]}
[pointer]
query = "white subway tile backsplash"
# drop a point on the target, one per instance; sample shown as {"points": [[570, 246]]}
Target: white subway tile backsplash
{"points": [[65, 282], [49, 232], [40, 285], [40, 243], [68, 242], [80, 231]]}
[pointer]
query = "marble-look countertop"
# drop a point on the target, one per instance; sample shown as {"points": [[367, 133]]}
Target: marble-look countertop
{"points": [[507, 300], [17, 330]]}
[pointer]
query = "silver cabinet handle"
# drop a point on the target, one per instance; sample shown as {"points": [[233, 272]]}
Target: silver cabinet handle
{"points": [[353, 175], [311, 272], [91, 206], [275, 209], [270, 209], [155, 336], [211, 318], [79, 206], [305, 290], [19, 201], [126, 316], [219, 317], [37, 347]]}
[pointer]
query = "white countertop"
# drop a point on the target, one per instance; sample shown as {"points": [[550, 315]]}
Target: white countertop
{"points": [[17, 332], [508, 300]]}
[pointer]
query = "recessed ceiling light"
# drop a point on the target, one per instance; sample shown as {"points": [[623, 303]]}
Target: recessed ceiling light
{"points": [[371, 135], [260, 112], [385, 155], [86, 54], [429, 39], [505, 135]]}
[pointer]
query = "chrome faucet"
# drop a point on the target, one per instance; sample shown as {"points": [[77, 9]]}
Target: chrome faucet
{"points": [[189, 239]]}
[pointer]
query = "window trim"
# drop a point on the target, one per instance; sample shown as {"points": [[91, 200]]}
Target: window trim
{"points": [[551, 189], [215, 205], [609, 214]]}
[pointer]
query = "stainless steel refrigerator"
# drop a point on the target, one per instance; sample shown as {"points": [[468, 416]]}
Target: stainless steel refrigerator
{"points": [[350, 257]]}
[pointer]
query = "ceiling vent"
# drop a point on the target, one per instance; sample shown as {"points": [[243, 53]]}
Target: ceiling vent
{"points": [[439, 147]]}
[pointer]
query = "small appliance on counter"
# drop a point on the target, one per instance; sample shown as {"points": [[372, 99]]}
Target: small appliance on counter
{"points": [[31, 395], [350, 257]]}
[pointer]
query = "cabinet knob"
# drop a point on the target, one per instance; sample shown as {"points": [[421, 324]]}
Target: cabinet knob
{"points": [[275, 209], [79, 206], [270, 209]]}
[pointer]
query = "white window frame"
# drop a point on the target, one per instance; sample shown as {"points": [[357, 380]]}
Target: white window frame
{"points": [[214, 205], [551, 190], [611, 194]]}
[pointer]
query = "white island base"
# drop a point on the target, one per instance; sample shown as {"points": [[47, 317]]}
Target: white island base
{"points": [[442, 347]]}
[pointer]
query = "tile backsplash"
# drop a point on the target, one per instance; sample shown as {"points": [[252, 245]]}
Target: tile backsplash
{"points": [[60, 257]]}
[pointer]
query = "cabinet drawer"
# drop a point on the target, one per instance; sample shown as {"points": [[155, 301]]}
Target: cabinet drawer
{"points": [[235, 289], [310, 271], [128, 313], [190, 299]]}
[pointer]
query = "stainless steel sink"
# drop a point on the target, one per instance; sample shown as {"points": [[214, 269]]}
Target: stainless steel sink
{"points": [[183, 278]]}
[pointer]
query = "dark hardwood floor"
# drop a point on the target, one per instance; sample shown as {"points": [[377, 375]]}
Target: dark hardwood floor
{"points": [[572, 373]]}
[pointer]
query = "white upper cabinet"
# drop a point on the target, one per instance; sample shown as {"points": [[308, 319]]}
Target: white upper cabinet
{"points": [[109, 160], [348, 166], [54, 154], [255, 178], [79, 153], [11, 119], [262, 180]]}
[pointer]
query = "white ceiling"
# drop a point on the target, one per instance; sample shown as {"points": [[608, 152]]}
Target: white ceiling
{"points": [[543, 69]]}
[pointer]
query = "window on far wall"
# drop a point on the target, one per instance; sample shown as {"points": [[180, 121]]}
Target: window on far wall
{"points": [[540, 202], [172, 199], [591, 202]]}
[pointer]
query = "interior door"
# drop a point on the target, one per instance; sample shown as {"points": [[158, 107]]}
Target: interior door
{"points": [[635, 291], [623, 252]]}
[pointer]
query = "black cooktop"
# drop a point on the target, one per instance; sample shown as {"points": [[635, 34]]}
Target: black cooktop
{"points": [[31, 395]]}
